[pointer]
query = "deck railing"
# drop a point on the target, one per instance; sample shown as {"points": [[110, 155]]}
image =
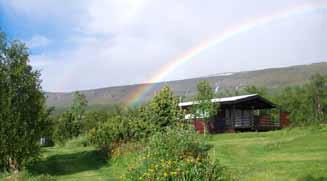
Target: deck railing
{"points": [[258, 122]]}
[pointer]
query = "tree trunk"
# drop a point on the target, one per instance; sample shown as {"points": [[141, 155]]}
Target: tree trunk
{"points": [[13, 165], [205, 128], [319, 109]]}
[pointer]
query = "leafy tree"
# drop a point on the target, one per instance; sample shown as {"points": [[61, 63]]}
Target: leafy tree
{"points": [[94, 118], [204, 108], [65, 128], [295, 100], [164, 109], [79, 106], [22, 111], [262, 91], [318, 90], [307, 104], [77, 110], [117, 129], [70, 123]]}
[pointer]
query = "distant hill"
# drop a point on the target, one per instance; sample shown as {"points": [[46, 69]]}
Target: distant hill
{"points": [[270, 78]]}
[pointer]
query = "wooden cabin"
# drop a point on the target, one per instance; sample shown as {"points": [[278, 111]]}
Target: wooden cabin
{"points": [[240, 113]]}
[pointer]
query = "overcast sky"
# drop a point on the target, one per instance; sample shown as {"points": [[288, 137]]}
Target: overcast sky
{"points": [[83, 44]]}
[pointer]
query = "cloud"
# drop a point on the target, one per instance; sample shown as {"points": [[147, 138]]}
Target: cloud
{"points": [[115, 42], [38, 41]]}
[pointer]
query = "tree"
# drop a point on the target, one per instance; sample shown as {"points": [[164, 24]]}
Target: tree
{"points": [[204, 108], [295, 101], [79, 106], [64, 128], [307, 104], [70, 123], [262, 91], [164, 109], [22, 111], [318, 90], [77, 110], [94, 118]]}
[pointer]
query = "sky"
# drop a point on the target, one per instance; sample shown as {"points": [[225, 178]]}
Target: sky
{"points": [[82, 44]]}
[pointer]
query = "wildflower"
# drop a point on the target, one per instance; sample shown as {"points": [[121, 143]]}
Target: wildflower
{"points": [[165, 174]]}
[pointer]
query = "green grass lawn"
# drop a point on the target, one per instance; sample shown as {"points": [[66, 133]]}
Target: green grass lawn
{"points": [[291, 154], [295, 154]]}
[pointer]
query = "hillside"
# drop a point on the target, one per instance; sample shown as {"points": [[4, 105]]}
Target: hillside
{"points": [[270, 78]]}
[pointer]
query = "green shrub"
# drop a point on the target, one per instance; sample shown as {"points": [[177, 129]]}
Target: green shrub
{"points": [[176, 154], [93, 118], [163, 109], [65, 128], [119, 129]]}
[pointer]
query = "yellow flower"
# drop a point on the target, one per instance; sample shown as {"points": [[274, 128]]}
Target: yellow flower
{"points": [[165, 174]]}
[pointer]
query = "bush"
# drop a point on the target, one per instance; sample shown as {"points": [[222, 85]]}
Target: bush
{"points": [[163, 109], [119, 129], [65, 128], [307, 104], [138, 123], [177, 154], [92, 119]]}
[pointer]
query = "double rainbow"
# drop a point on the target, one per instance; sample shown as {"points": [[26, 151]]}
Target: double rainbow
{"points": [[220, 38]]}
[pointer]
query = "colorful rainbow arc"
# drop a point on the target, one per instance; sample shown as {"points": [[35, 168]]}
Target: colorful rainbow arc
{"points": [[218, 39]]}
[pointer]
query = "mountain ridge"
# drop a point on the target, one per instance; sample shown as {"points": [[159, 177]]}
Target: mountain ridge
{"points": [[270, 78]]}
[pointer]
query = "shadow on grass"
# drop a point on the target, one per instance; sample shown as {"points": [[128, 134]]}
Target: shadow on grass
{"points": [[68, 164], [312, 178]]}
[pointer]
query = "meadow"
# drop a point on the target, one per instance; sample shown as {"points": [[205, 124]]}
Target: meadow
{"points": [[289, 154]]}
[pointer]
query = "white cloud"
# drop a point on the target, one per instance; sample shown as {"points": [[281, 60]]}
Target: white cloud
{"points": [[38, 41], [128, 41]]}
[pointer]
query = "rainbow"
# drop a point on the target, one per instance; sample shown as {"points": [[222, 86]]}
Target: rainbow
{"points": [[220, 38]]}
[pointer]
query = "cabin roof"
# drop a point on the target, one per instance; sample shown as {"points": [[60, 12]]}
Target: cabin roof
{"points": [[246, 101]]}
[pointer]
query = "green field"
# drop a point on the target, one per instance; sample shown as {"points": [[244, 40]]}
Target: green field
{"points": [[291, 154], [296, 154]]}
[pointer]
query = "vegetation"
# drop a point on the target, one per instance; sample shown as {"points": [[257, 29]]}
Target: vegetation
{"points": [[163, 108], [70, 123], [151, 142], [262, 91], [176, 154], [23, 115], [204, 108], [307, 104], [289, 154], [138, 123]]}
